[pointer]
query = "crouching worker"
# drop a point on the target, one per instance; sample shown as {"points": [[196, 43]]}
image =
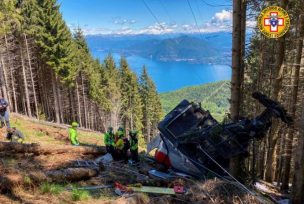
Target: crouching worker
{"points": [[134, 146], [14, 135], [73, 134], [109, 140]]}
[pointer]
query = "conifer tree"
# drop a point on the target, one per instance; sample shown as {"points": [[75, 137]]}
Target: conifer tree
{"points": [[131, 110], [54, 38], [151, 105], [112, 92]]}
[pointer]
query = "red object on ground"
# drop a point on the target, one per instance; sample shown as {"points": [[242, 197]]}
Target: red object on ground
{"points": [[162, 158], [179, 189]]}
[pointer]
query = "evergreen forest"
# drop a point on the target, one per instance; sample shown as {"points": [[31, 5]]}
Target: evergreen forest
{"points": [[47, 72]]}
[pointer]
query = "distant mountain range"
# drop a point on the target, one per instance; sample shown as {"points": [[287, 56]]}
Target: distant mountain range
{"points": [[213, 96], [204, 49]]}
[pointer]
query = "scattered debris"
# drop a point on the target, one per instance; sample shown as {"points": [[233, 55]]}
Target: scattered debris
{"points": [[160, 175], [105, 159], [90, 187]]}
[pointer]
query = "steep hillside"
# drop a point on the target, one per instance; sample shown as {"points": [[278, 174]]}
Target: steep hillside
{"points": [[206, 48], [183, 48], [213, 96]]}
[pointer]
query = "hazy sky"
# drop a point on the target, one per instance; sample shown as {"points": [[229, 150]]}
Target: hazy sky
{"points": [[147, 16]]}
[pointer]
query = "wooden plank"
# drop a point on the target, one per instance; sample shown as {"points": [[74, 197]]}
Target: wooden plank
{"points": [[156, 190]]}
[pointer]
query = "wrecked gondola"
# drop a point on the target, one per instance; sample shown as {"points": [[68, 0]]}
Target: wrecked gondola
{"points": [[191, 141]]}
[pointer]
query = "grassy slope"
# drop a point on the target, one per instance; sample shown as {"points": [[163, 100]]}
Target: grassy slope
{"points": [[39, 132], [214, 97], [36, 132]]}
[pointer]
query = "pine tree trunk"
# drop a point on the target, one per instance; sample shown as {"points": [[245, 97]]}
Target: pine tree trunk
{"points": [[276, 87], [45, 91], [148, 131], [297, 195], [55, 98], [270, 156], [280, 162], [234, 165], [9, 96], [84, 102], [277, 154], [3, 80], [32, 76], [11, 77], [243, 50], [261, 159], [79, 114], [293, 102], [26, 91], [71, 104], [59, 98]]}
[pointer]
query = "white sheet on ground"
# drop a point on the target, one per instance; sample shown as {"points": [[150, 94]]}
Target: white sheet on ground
{"points": [[105, 159]]}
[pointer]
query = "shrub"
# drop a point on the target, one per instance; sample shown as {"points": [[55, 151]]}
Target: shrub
{"points": [[78, 195], [51, 188]]}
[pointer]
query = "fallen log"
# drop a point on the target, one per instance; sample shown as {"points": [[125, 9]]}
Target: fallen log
{"points": [[63, 175], [10, 181], [38, 149]]}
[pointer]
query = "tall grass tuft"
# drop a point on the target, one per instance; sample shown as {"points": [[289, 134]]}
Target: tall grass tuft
{"points": [[51, 188], [79, 195]]}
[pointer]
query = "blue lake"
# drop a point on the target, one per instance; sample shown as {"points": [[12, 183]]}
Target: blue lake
{"points": [[170, 76]]}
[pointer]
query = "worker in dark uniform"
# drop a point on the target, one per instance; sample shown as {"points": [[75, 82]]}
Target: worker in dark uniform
{"points": [[134, 146], [109, 138]]}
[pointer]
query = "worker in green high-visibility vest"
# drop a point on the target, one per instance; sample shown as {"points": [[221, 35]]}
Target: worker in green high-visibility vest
{"points": [[109, 140], [119, 144], [134, 146], [73, 135]]}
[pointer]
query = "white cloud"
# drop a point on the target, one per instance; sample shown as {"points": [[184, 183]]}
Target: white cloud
{"points": [[156, 29], [224, 15], [96, 31], [220, 22], [121, 21]]}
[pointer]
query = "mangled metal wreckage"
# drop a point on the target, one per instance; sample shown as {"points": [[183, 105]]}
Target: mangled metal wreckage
{"points": [[191, 141]]}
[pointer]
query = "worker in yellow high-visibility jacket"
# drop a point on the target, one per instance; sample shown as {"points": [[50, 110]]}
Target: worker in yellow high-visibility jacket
{"points": [[119, 144], [73, 134]]}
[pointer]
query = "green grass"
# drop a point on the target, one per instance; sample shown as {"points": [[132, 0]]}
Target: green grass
{"points": [[39, 134], [51, 188], [27, 180], [35, 132], [80, 195]]}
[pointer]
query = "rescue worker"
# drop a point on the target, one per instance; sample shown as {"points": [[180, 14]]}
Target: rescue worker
{"points": [[125, 149], [4, 116], [134, 146], [14, 135], [119, 144], [109, 138], [73, 135]]}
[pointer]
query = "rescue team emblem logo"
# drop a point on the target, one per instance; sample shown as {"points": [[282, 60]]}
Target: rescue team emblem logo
{"points": [[273, 22]]}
